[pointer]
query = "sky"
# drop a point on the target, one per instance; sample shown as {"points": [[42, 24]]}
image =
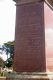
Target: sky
{"points": [[7, 21]]}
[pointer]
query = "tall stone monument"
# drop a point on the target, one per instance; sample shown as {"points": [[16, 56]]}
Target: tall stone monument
{"points": [[30, 36]]}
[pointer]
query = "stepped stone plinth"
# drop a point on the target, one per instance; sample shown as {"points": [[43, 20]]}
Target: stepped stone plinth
{"points": [[30, 76]]}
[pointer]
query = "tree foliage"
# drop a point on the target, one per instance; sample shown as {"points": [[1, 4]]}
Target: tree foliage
{"points": [[9, 49]]}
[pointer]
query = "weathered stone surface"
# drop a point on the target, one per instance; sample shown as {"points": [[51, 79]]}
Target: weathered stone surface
{"points": [[30, 38], [51, 2], [49, 37], [2, 78]]}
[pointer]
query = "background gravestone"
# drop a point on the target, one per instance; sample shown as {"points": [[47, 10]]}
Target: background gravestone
{"points": [[30, 36]]}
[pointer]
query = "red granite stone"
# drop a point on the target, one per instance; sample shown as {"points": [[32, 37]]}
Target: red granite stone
{"points": [[30, 38]]}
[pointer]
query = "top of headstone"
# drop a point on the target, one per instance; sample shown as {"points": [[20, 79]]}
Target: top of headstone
{"points": [[26, 1]]}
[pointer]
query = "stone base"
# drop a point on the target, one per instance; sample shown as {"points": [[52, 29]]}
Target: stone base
{"points": [[30, 76]]}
